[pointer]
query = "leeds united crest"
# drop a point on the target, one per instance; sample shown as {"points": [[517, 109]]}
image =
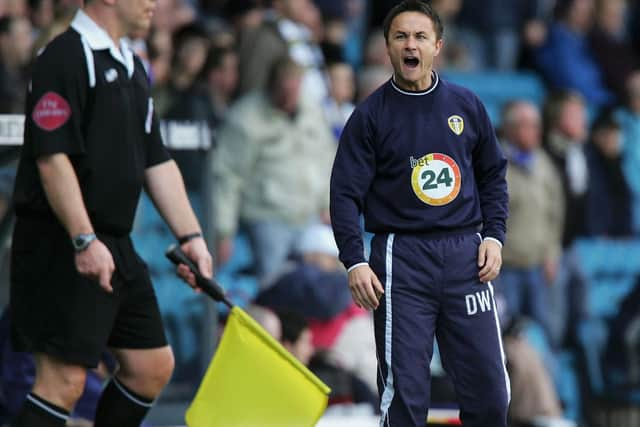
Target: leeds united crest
{"points": [[456, 124]]}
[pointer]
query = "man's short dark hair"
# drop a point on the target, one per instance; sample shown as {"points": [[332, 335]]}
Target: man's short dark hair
{"points": [[413, 6]]}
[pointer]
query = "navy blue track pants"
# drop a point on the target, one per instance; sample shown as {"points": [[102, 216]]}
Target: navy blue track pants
{"points": [[432, 287]]}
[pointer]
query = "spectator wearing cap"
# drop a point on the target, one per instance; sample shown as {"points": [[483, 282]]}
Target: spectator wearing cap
{"points": [[314, 283]]}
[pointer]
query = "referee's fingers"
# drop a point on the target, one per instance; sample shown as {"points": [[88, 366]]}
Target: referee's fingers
{"points": [[205, 267], [105, 279]]}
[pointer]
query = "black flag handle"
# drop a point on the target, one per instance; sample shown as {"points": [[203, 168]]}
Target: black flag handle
{"points": [[208, 286]]}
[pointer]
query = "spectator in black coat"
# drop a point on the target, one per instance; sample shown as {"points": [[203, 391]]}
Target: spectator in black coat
{"points": [[609, 196], [565, 134], [613, 53]]}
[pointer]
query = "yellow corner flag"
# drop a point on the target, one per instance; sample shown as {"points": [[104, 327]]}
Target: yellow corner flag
{"points": [[254, 382]]}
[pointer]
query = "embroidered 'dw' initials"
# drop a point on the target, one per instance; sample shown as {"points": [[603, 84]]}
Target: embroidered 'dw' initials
{"points": [[479, 300]]}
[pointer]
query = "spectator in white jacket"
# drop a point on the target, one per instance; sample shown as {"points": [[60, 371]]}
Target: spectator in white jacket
{"points": [[271, 169]]}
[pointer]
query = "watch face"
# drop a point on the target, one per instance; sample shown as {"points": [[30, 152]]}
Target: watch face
{"points": [[82, 241]]}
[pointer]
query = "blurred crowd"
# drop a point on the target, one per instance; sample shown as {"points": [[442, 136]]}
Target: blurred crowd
{"points": [[273, 83]]}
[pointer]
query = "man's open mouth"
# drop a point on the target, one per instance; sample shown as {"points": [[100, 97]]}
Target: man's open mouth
{"points": [[411, 61]]}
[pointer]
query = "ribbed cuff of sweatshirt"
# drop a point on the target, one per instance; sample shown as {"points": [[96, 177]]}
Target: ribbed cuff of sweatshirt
{"points": [[493, 239], [354, 266]]}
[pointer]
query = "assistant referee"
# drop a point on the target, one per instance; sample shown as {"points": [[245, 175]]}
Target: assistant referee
{"points": [[77, 285]]}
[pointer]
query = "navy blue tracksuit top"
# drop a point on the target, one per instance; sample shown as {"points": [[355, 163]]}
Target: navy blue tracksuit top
{"points": [[417, 162]]}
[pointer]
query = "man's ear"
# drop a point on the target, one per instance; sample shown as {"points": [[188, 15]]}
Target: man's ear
{"points": [[439, 46]]}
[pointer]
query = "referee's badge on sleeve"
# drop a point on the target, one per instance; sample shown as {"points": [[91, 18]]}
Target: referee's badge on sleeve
{"points": [[456, 124], [51, 112]]}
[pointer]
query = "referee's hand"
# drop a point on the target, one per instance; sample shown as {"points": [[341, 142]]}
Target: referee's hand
{"points": [[365, 287], [196, 250], [96, 263]]}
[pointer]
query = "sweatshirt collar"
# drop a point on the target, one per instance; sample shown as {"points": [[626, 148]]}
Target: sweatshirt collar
{"points": [[435, 79]]}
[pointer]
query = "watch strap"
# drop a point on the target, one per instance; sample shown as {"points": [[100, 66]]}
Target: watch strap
{"points": [[185, 238]]}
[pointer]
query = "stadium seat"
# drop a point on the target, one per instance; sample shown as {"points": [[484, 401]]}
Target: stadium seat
{"points": [[592, 336], [241, 287], [495, 88], [611, 268], [568, 387]]}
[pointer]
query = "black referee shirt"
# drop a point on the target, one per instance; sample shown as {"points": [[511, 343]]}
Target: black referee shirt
{"points": [[92, 101]]}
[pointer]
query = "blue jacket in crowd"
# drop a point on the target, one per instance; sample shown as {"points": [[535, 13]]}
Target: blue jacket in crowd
{"points": [[566, 62]]}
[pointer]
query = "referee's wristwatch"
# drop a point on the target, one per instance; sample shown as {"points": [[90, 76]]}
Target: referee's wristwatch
{"points": [[82, 241]]}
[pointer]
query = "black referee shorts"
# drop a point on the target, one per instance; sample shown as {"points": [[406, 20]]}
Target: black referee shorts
{"points": [[58, 312]]}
